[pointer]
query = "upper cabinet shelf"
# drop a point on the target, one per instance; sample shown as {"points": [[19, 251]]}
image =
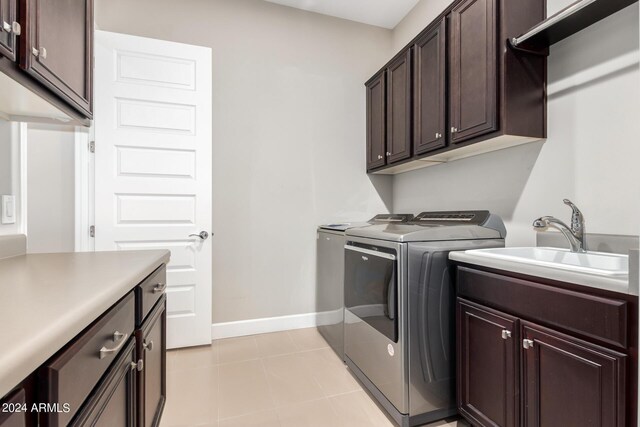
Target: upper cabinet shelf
{"points": [[568, 21]]}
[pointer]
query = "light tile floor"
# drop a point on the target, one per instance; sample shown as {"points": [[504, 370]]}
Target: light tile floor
{"points": [[283, 379]]}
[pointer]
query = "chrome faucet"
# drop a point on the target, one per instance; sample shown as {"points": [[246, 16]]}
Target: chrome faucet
{"points": [[574, 234]]}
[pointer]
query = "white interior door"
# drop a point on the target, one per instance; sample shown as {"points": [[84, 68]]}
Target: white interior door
{"points": [[153, 166]]}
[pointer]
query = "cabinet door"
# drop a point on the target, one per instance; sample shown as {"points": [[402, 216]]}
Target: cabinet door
{"points": [[13, 410], [8, 29], [59, 50], [113, 402], [429, 90], [399, 108], [376, 121], [473, 70], [487, 366], [568, 382], [152, 385]]}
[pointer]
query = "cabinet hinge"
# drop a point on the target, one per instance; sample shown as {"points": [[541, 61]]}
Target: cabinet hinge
{"points": [[92, 231], [92, 146]]}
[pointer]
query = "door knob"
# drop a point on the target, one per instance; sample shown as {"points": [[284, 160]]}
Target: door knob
{"points": [[203, 235]]}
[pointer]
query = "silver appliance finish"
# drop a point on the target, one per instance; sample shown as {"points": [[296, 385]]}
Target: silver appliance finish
{"points": [[411, 373], [329, 288], [330, 276], [575, 234]]}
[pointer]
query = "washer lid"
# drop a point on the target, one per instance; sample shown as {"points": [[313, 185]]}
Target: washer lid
{"points": [[437, 226], [342, 226]]}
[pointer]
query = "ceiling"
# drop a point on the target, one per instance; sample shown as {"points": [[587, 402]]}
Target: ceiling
{"points": [[381, 13]]}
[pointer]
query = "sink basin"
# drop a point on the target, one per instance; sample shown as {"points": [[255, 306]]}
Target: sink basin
{"points": [[597, 263]]}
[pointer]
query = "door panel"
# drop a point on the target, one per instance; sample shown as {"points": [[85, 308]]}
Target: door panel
{"points": [[376, 121], [473, 86], [152, 390], [59, 51], [14, 418], [399, 109], [7, 36], [568, 382], [153, 166], [487, 366], [430, 90]]}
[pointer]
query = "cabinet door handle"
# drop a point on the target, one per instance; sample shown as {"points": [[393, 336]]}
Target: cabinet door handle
{"points": [[379, 157], [148, 345], [139, 365], [438, 135], [454, 129], [506, 334], [160, 288], [117, 337], [6, 26], [527, 344], [39, 53], [16, 28], [388, 154]]}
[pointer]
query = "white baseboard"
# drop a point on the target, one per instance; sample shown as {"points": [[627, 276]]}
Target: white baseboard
{"points": [[261, 326]]}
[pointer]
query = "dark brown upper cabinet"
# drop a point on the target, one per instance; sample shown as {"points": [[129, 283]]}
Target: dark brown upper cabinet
{"points": [[571, 382], [57, 49], [9, 28], [430, 103], [473, 69], [376, 121], [399, 108], [472, 92], [487, 366]]}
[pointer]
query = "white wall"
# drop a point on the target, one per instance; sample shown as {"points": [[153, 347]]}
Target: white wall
{"points": [[50, 188], [11, 173], [288, 137], [590, 155]]}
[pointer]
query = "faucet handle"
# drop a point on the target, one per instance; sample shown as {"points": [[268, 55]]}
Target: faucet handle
{"points": [[577, 219]]}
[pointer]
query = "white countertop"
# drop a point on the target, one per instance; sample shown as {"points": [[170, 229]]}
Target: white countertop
{"points": [[47, 299], [614, 284]]}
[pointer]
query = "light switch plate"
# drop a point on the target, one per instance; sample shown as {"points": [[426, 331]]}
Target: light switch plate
{"points": [[8, 209]]}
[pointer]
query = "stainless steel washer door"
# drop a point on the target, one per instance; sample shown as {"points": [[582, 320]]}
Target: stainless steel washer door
{"points": [[375, 315]]}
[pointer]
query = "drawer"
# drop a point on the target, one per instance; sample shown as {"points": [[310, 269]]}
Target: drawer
{"points": [[589, 316], [149, 292], [69, 376]]}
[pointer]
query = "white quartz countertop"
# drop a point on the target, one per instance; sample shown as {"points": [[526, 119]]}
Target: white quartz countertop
{"points": [[48, 299], [615, 284]]}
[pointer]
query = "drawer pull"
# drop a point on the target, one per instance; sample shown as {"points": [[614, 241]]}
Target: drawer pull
{"points": [[117, 336], [527, 344], [506, 334], [160, 288], [148, 345]]}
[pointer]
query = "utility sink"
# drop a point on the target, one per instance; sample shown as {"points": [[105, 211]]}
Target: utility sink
{"points": [[596, 263]]}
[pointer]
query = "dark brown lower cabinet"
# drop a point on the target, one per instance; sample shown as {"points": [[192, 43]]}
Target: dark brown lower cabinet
{"points": [[512, 372], [152, 383], [488, 366], [569, 382], [113, 403], [13, 410]]}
